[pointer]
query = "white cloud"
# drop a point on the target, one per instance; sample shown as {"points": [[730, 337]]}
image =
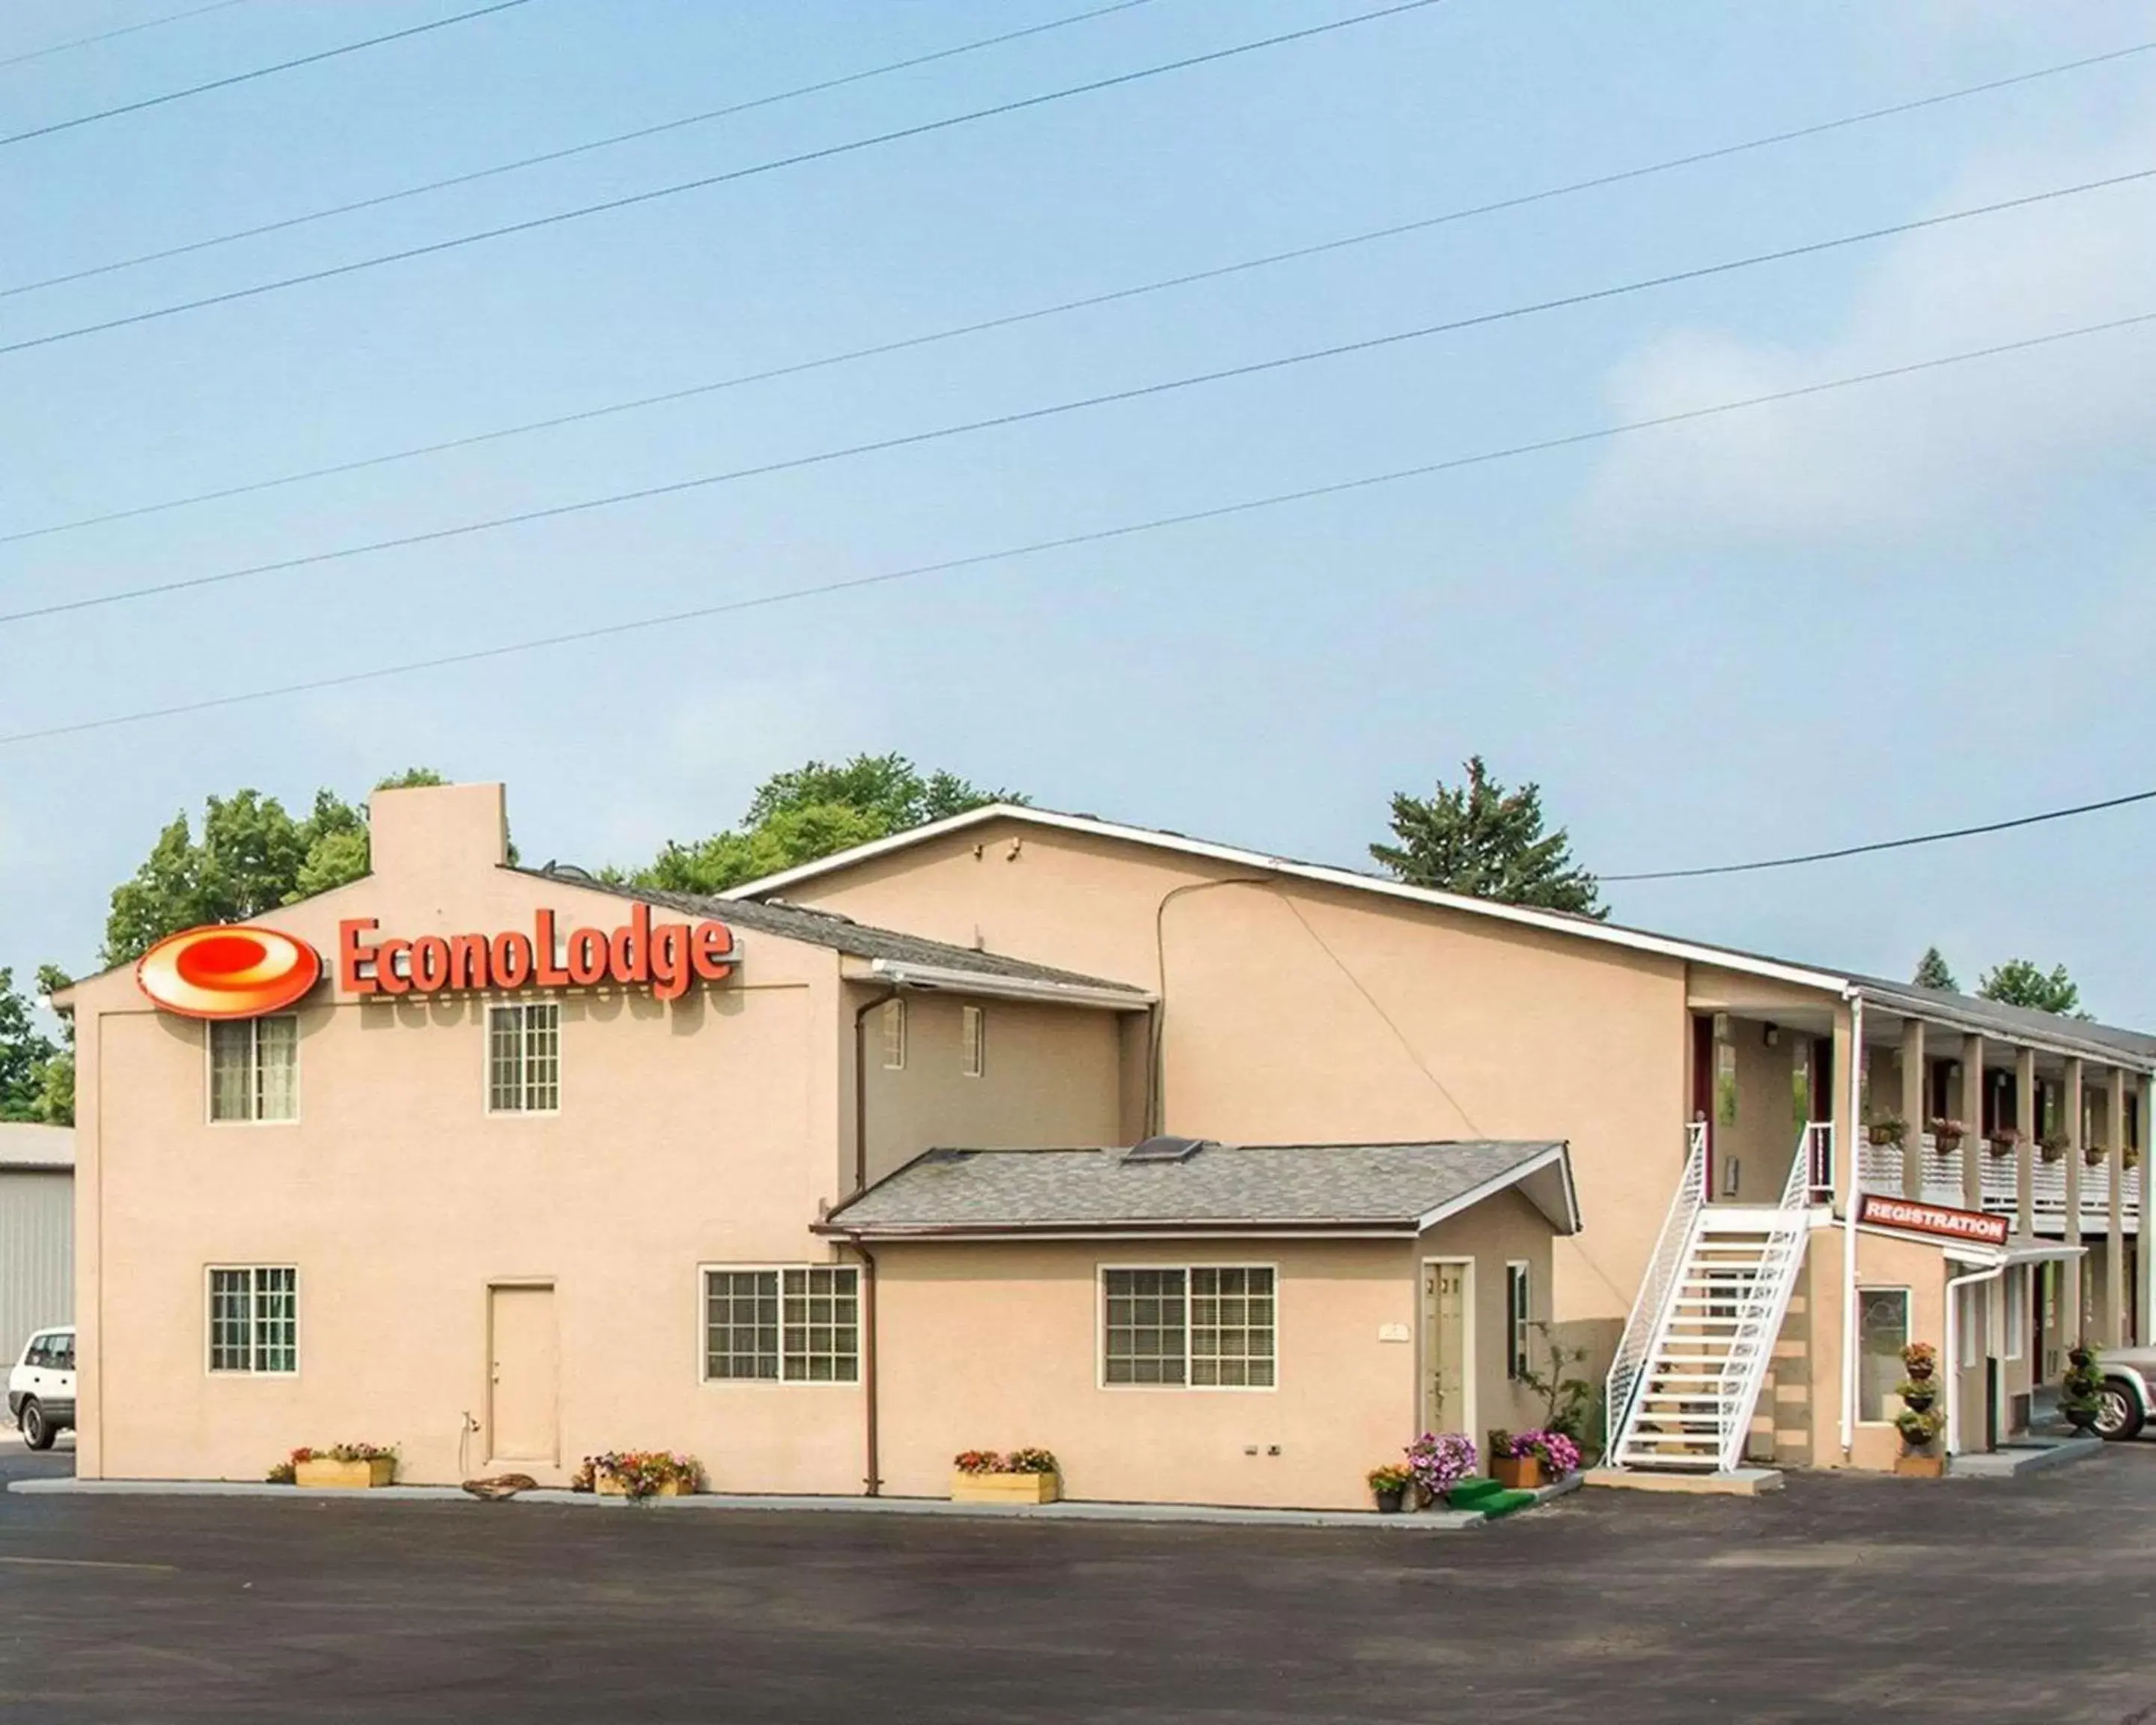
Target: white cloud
{"points": [[1904, 454]]}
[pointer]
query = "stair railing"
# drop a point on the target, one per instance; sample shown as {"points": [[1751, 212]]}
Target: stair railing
{"points": [[1636, 1346], [1766, 1299]]}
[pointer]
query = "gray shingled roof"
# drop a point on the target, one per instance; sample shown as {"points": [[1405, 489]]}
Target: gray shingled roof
{"points": [[2132, 1047], [842, 934], [1381, 1188]]}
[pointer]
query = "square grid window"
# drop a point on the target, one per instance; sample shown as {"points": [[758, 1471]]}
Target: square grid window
{"points": [[1208, 1328], [524, 1059], [254, 1319], [799, 1325], [1518, 1314], [973, 1041], [255, 1069]]}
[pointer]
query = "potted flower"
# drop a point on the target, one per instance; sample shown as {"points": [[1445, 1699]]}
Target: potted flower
{"points": [[1946, 1134], [2081, 1390], [1028, 1476], [1390, 1483], [1887, 1129], [2092, 1155], [1440, 1461], [344, 1467], [2005, 1140], [639, 1474], [2131, 1156], [2051, 1146], [1919, 1422], [1556, 1452]]}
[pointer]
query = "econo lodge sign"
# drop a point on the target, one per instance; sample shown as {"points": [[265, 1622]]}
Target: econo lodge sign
{"points": [[232, 971]]}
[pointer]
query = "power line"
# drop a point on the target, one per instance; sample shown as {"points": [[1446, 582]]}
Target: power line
{"points": [[635, 198], [304, 59], [561, 154], [1791, 862], [1054, 410], [148, 23], [1060, 308], [1072, 541]]}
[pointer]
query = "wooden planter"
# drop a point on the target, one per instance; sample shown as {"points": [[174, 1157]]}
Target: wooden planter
{"points": [[345, 1476], [1006, 1487], [1920, 1467], [612, 1485], [1517, 1473]]}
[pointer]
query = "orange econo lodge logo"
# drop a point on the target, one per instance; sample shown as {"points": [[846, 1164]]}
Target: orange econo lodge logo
{"points": [[227, 973]]}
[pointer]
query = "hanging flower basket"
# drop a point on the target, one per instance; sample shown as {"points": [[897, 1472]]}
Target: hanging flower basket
{"points": [[1947, 1134], [2005, 1142], [2092, 1155], [1887, 1129], [2052, 1149]]}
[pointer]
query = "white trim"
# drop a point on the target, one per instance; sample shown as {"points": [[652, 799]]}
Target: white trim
{"points": [[906, 974], [782, 1381], [1908, 1334], [1511, 1177], [900, 1234], [221, 1374], [512, 1004], [1637, 940], [1954, 1341], [253, 1072], [1469, 1365], [1518, 1329], [972, 1041], [1100, 1270]]}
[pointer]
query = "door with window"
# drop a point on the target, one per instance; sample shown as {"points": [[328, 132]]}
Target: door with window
{"points": [[523, 1374], [1448, 1309]]}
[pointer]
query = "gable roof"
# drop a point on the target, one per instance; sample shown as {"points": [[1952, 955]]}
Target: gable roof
{"points": [[899, 957], [2063, 1035], [1386, 1189]]}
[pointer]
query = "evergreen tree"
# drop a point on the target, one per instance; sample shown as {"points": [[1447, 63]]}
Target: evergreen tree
{"points": [[1932, 971], [1483, 840]]}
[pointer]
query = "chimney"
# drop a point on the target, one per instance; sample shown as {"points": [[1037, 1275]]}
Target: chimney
{"points": [[436, 832]]}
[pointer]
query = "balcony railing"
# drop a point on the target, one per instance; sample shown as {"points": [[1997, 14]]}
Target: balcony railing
{"points": [[1879, 1170]]}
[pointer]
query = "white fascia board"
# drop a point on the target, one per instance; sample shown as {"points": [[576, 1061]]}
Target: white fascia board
{"points": [[893, 1233], [1947, 1018], [1568, 1224], [902, 974], [1633, 940]]}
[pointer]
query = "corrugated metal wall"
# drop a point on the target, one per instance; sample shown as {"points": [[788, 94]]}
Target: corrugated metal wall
{"points": [[37, 1256]]}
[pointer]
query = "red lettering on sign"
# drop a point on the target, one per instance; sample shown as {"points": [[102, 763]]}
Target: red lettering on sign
{"points": [[351, 953], [512, 960], [668, 958]]}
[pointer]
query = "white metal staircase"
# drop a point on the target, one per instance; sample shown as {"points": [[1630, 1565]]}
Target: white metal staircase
{"points": [[1696, 1349]]}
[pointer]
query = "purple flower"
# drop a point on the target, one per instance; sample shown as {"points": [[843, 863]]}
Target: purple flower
{"points": [[1440, 1461]]}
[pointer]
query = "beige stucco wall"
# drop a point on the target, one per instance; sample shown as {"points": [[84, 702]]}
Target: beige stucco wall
{"points": [[992, 1346], [1764, 1136], [1296, 1011], [1881, 1262]]}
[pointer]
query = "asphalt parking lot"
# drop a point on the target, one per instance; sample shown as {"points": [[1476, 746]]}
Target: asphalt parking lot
{"points": [[2013, 1600]]}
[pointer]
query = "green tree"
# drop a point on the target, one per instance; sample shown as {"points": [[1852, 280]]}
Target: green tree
{"points": [[1932, 971], [25, 1055], [1482, 839], [252, 857], [2020, 983], [813, 811]]}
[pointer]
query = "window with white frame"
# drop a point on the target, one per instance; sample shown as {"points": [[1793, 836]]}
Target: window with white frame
{"points": [[255, 1319], [972, 1041], [255, 1069], [791, 1324], [894, 1035], [2017, 1311], [1882, 1332], [1519, 1313], [1207, 1326], [524, 1059]]}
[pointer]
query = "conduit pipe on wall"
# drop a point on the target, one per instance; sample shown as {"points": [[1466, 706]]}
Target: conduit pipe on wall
{"points": [[1952, 1364], [871, 1440]]}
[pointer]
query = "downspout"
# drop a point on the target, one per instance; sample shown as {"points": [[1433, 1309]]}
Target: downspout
{"points": [[1849, 1156], [861, 1090], [1955, 1285], [873, 1482]]}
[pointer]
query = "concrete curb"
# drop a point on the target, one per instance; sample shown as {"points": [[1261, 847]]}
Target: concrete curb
{"points": [[1422, 1521], [2024, 1457]]}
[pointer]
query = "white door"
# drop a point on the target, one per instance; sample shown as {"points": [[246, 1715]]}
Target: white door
{"points": [[1448, 1363], [522, 1375]]}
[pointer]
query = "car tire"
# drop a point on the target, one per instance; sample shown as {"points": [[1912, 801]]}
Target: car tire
{"points": [[39, 1430], [2119, 1412]]}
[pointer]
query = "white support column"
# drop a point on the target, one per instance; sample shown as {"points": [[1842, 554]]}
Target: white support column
{"points": [[1913, 1099], [2145, 1314], [2024, 1152], [1971, 1114], [2114, 1236], [2070, 1272]]}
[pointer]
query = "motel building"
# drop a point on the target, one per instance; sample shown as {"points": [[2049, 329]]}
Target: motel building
{"points": [[1220, 1175]]}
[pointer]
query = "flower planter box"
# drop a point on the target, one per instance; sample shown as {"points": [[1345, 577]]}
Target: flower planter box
{"points": [[1006, 1487], [612, 1485], [1517, 1473], [1920, 1467], [345, 1476]]}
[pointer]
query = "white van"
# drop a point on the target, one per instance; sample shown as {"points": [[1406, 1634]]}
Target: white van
{"points": [[41, 1387]]}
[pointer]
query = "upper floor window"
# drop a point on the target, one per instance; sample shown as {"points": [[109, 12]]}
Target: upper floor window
{"points": [[524, 1059], [894, 1035], [254, 1068], [972, 1041]]}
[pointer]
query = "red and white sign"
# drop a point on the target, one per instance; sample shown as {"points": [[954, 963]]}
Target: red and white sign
{"points": [[228, 971], [1876, 1210], [667, 960]]}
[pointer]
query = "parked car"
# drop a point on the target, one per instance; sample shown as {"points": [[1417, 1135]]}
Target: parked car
{"points": [[2128, 1400], [41, 1387]]}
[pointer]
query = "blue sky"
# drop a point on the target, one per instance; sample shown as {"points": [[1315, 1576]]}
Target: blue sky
{"points": [[1919, 604]]}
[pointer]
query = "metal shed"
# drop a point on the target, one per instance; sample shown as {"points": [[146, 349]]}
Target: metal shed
{"points": [[37, 1232]]}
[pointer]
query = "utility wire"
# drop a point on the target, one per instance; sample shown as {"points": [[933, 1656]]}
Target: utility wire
{"points": [[304, 59], [1095, 536], [1029, 415], [635, 198], [1059, 308], [148, 24], [1791, 862], [562, 154]]}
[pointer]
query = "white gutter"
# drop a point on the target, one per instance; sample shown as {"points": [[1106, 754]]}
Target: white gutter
{"points": [[1849, 1161], [1955, 1285], [901, 973]]}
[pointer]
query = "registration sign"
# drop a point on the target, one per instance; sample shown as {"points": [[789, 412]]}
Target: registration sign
{"points": [[1906, 1215]]}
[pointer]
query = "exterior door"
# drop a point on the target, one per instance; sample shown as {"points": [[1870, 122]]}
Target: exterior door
{"points": [[522, 1375], [1448, 1310]]}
